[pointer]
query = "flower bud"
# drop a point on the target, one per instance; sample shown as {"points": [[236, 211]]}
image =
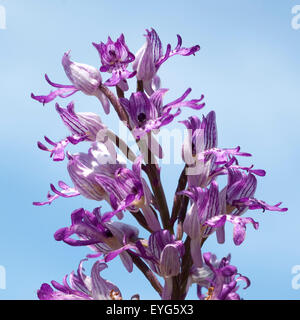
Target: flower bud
{"points": [[85, 78]]}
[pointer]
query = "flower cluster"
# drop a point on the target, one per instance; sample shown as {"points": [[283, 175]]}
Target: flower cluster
{"points": [[173, 251]]}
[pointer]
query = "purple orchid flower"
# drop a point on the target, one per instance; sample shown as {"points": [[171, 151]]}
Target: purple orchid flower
{"points": [[235, 199], [101, 236], [115, 57], [84, 168], [84, 126], [202, 136], [158, 242], [82, 287], [205, 205], [129, 191], [150, 57], [222, 280], [148, 114], [239, 230], [240, 191], [204, 160], [163, 254], [57, 152], [84, 78]]}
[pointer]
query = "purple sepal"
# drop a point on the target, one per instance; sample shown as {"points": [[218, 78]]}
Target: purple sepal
{"points": [[192, 222], [144, 63], [163, 247], [205, 206], [240, 185], [170, 260], [84, 77], [196, 252]]}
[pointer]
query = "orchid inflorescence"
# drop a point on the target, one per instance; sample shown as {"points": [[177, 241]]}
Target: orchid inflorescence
{"points": [[173, 251]]}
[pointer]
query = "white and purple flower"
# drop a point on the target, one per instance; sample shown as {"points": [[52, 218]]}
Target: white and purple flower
{"points": [[82, 287], [150, 57], [220, 279], [148, 114], [83, 77], [115, 57]]}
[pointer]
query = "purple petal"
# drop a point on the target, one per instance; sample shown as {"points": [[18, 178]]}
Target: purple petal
{"points": [[216, 222], [113, 254], [239, 230], [52, 95], [243, 278], [56, 85]]}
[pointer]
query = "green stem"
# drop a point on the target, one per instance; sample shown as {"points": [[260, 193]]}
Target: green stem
{"points": [[116, 104], [180, 281], [159, 194], [140, 86], [147, 272], [178, 199], [121, 144], [141, 220], [151, 169], [120, 92]]}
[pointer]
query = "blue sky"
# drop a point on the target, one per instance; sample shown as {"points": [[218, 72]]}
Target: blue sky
{"points": [[248, 69]]}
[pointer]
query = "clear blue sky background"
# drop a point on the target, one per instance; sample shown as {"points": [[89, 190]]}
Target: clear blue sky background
{"points": [[248, 68]]}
